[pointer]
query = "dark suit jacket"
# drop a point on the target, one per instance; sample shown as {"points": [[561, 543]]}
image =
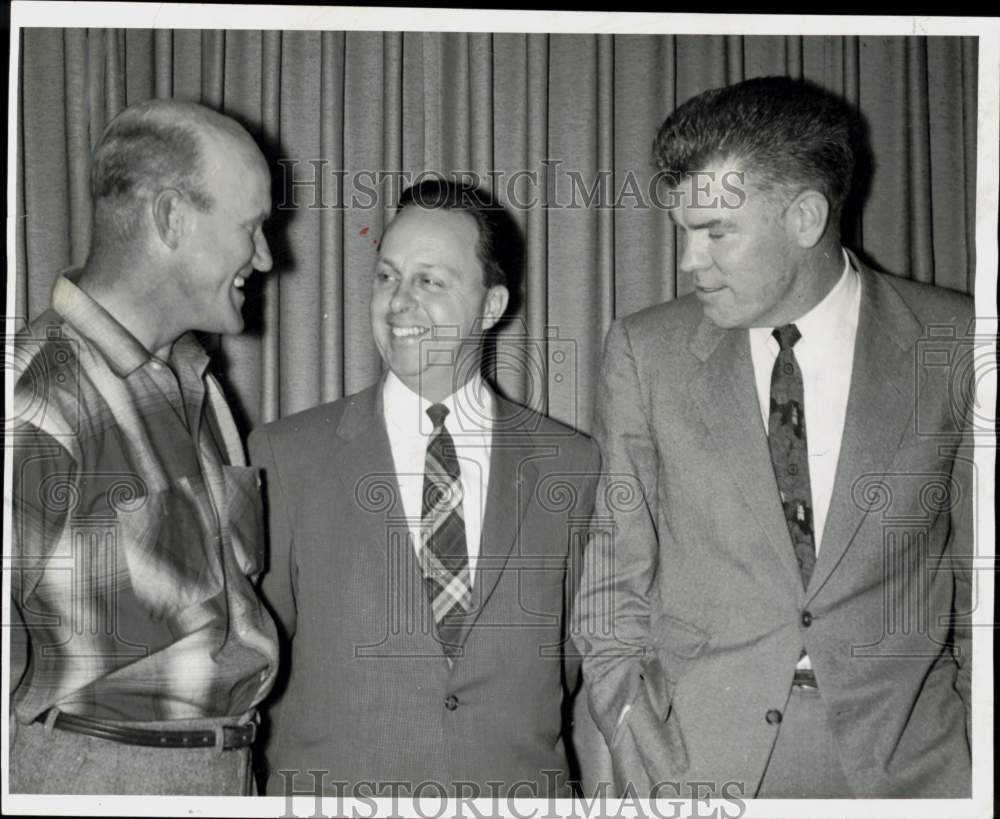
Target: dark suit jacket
{"points": [[699, 574], [370, 696]]}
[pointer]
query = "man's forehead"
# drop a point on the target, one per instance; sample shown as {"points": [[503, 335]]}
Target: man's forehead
{"points": [[240, 166], [713, 193], [441, 238]]}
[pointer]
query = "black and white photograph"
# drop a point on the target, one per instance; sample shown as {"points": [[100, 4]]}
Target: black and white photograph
{"points": [[438, 412]]}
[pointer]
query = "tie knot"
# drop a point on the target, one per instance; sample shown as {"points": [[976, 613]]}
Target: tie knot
{"points": [[437, 413], [786, 335]]}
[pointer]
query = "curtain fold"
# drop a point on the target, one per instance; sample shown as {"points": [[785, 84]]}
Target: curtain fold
{"points": [[557, 126], [331, 226]]}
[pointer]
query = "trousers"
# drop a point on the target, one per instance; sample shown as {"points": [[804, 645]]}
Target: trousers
{"points": [[49, 760]]}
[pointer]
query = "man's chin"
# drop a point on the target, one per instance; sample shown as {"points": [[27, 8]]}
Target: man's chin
{"points": [[719, 319], [722, 318], [233, 326]]}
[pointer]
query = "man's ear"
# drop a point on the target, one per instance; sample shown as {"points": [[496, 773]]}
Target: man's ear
{"points": [[170, 216], [807, 218], [494, 304]]}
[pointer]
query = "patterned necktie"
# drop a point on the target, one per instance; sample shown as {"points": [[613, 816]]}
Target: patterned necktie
{"points": [[444, 558], [786, 432]]}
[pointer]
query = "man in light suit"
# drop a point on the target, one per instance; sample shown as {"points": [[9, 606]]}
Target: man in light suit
{"points": [[421, 533], [777, 606]]}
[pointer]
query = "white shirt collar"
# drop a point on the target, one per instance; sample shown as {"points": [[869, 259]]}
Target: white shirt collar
{"points": [[830, 319], [470, 409]]}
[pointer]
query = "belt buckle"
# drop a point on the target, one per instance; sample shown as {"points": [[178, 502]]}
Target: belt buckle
{"points": [[253, 729], [237, 735]]}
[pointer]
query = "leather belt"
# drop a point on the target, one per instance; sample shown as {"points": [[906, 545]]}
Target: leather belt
{"points": [[233, 736], [805, 678]]}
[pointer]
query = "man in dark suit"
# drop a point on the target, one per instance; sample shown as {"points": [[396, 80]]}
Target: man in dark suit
{"points": [[421, 533], [779, 606]]}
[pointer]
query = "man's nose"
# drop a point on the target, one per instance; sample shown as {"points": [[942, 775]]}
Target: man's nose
{"points": [[402, 297], [262, 260], [695, 255]]}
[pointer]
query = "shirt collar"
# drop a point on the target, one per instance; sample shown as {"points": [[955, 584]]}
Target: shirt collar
{"points": [[123, 351], [826, 319], [470, 408]]}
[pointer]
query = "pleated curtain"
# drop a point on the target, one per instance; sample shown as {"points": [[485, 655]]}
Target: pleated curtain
{"points": [[560, 124]]}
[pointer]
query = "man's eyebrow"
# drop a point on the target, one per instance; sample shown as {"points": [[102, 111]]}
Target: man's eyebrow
{"points": [[444, 268], [710, 224], [423, 267]]}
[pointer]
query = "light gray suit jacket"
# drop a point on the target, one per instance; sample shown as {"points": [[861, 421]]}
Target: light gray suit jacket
{"points": [[692, 608]]}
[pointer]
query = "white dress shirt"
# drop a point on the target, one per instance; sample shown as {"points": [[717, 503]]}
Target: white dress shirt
{"points": [[825, 354], [470, 424]]}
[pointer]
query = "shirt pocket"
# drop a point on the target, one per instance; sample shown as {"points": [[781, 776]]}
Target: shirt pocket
{"points": [[245, 517]]}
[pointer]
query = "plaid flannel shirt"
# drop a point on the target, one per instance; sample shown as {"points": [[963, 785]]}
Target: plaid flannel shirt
{"points": [[137, 529]]}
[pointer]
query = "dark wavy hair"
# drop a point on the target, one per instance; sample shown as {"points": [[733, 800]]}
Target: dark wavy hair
{"points": [[789, 134]]}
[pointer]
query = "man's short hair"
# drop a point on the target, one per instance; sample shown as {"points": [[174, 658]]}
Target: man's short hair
{"points": [[445, 194], [149, 147], [790, 134]]}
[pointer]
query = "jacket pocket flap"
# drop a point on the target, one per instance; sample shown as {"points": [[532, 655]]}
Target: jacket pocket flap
{"points": [[679, 637]]}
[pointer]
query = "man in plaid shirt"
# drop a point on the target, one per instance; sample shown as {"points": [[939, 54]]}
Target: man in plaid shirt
{"points": [[139, 647]]}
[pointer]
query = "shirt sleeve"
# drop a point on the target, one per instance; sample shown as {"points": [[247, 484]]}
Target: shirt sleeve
{"points": [[44, 492]]}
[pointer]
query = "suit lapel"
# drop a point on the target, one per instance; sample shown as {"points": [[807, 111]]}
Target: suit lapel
{"points": [[365, 466], [512, 481], [724, 390], [878, 411], [368, 474]]}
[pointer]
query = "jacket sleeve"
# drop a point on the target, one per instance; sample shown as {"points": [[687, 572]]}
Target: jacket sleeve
{"points": [[611, 612], [574, 571], [962, 549]]}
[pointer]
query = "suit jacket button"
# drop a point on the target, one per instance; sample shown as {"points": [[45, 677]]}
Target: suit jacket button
{"points": [[806, 619], [451, 702], [773, 716]]}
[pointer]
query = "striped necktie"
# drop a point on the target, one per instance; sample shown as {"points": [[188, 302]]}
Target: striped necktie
{"points": [[444, 558]]}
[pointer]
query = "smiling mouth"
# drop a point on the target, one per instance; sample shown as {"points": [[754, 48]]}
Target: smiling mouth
{"points": [[702, 289], [409, 332]]}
